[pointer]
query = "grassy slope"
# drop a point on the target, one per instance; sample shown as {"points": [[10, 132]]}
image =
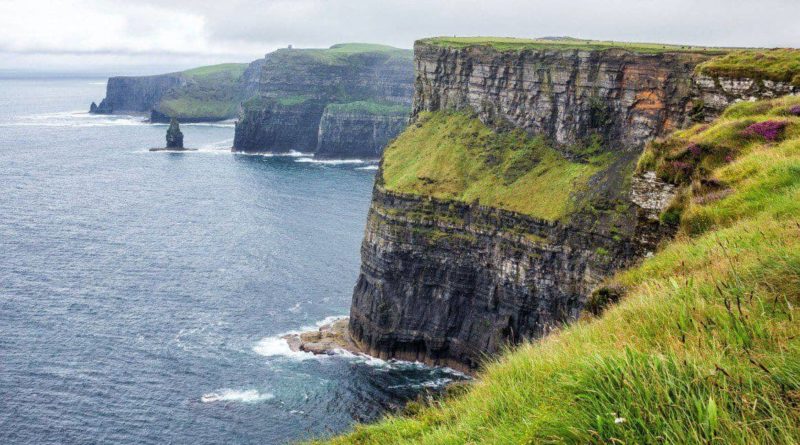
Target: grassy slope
{"points": [[455, 156], [703, 348], [213, 93], [782, 64]]}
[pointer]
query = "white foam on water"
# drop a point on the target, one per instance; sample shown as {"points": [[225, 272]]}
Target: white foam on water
{"points": [[269, 154], [330, 161], [369, 167], [232, 395], [230, 123], [277, 346], [74, 119]]}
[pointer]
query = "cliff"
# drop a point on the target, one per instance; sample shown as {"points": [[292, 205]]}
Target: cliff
{"points": [[512, 194], [366, 83], [208, 93], [359, 129], [697, 344]]}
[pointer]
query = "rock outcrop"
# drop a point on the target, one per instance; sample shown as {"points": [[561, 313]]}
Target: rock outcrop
{"points": [[449, 282], [298, 85], [174, 135]]}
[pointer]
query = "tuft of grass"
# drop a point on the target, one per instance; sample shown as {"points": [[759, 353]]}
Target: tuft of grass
{"points": [[780, 64], [452, 155], [703, 346]]}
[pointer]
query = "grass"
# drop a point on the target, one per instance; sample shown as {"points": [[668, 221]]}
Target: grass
{"points": [[565, 43], [213, 93], [340, 54], [703, 347], [367, 107], [231, 70], [781, 64], [452, 155]]}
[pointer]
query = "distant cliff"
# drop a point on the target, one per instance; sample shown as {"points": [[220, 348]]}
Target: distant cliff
{"points": [[208, 93], [511, 195], [345, 101]]}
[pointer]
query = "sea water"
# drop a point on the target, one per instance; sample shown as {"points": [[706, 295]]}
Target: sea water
{"points": [[143, 295]]}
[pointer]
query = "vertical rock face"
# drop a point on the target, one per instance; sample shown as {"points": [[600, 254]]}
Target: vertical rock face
{"points": [[137, 93], [714, 94], [449, 282], [296, 86], [565, 95], [357, 133]]}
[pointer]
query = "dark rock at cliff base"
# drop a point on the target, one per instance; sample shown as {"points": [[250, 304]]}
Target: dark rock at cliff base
{"points": [[326, 340], [103, 108], [174, 135]]}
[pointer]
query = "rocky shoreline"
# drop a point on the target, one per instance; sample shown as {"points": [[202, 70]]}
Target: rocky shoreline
{"points": [[329, 339]]}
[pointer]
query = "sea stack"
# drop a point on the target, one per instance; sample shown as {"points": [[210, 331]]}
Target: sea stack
{"points": [[174, 135], [174, 138]]}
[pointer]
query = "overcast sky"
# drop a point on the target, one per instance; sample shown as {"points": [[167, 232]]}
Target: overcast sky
{"points": [[117, 37]]}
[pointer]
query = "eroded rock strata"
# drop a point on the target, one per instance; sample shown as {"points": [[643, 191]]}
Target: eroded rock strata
{"points": [[449, 282], [300, 89]]}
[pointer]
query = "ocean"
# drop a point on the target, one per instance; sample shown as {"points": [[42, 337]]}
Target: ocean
{"points": [[143, 295]]}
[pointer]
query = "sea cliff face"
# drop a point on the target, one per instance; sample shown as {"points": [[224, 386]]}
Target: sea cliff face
{"points": [[296, 86], [357, 133], [565, 95], [137, 93], [450, 282], [210, 93]]}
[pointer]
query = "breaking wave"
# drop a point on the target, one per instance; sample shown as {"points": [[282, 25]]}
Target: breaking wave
{"points": [[232, 395]]}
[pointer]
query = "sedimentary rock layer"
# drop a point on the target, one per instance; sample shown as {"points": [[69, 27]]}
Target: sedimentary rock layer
{"points": [[450, 282]]}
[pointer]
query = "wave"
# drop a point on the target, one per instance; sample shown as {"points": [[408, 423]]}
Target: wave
{"points": [[330, 161], [232, 395], [269, 154], [369, 167], [74, 119]]}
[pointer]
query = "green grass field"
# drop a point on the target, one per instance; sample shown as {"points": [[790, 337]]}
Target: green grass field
{"points": [[452, 155], [703, 347], [340, 54]]}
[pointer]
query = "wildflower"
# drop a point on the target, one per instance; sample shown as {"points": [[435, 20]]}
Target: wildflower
{"points": [[795, 110], [619, 420], [694, 149], [769, 130]]}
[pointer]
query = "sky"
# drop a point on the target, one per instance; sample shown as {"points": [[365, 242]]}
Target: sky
{"points": [[151, 36]]}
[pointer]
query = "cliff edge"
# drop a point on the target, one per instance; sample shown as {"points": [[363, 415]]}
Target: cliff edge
{"points": [[513, 194]]}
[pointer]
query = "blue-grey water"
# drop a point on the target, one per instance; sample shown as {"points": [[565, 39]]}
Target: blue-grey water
{"points": [[142, 294]]}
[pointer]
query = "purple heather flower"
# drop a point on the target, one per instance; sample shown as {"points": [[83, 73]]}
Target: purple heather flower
{"points": [[769, 130], [694, 149], [795, 110]]}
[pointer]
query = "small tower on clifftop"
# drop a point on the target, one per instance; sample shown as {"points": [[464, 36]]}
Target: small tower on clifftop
{"points": [[174, 135]]}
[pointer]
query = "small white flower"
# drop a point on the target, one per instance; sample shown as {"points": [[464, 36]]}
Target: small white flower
{"points": [[619, 420]]}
